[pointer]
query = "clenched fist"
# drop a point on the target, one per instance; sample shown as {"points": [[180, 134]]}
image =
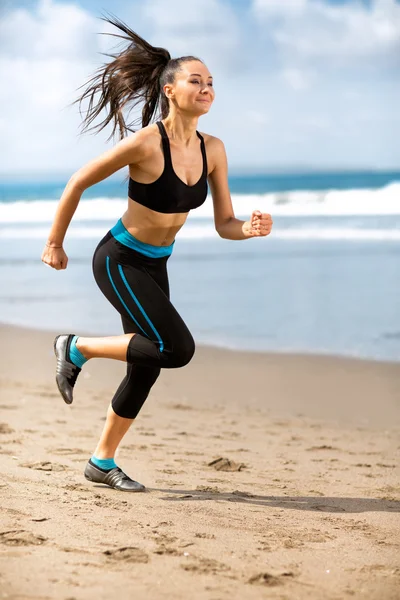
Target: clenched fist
{"points": [[54, 257], [260, 224]]}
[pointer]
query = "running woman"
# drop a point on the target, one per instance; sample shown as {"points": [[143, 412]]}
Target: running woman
{"points": [[170, 165]]}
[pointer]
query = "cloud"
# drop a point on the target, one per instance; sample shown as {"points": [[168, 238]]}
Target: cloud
{"points": [[59, 31], [296, 78], [279, 8], [45, 55], [335, 35], [209, 28], [291, 78]]}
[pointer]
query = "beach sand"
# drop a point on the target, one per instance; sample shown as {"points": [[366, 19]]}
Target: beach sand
{"points": [[310, 509]]}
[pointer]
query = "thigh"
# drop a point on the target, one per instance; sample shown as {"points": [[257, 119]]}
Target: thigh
{"points": [[140, 299], [138, 289]]}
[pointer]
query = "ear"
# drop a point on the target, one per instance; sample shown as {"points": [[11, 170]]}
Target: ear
{"points": [[169, 90]]}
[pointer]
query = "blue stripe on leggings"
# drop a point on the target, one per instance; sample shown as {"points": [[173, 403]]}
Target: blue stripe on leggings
{"points": [[119, 295], [141, 308]]}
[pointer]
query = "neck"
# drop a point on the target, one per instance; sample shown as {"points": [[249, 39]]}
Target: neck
{"points": [[180, 129]]}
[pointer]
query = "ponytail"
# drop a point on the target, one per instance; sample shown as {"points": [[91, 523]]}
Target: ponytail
{"points": [[137, 74]]}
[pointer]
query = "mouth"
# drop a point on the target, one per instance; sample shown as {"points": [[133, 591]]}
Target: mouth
{"points": [[203, 100]]}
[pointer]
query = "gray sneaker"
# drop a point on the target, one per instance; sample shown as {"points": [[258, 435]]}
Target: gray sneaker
{"points": [[115, 478], [66, 371]]}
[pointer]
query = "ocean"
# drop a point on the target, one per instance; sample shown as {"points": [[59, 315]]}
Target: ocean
{"points": [[326, 280]]}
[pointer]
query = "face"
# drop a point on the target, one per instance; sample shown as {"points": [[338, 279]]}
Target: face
{"points": [[193, 90]]}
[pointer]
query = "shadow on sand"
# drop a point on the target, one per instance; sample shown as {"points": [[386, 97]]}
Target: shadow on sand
{"points": [[319, 503]]}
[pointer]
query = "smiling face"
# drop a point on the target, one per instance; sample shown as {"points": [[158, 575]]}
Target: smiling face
{"points": [[193, 91]]}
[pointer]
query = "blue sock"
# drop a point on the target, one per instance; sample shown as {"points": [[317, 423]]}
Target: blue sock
{"points": [[106, 464], [75, 355]]}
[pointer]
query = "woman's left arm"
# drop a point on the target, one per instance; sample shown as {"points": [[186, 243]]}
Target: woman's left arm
{"points": [[226, 224]]}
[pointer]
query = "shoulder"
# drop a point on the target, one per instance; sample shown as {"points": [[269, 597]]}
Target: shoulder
{"points": [[212, 141], [142, 143], [215, 149]]}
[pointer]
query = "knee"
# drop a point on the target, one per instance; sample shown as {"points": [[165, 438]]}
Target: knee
{"points": [[134, 390], [125, 412], [183, 353]]}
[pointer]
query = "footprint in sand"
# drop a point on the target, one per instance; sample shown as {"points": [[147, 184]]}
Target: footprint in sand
{"points": [[208, 488], [206, 536], [270, 580], [164, 544], [167, 550], [231, 434], [75, 487], [180, 406], [4, 451], [170, 471], [225, 464], [128, 554], [316, 536], [5, 428], [68, 451], [323, 447], [105, 502], [20, 537], [205, 565], [243, 494], [44, 466]]}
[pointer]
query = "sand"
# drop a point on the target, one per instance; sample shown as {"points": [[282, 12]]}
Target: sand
{"points": [[308, 510]]}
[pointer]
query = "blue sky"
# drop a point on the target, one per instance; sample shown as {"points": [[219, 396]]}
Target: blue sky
{"points": [[300, 84]]}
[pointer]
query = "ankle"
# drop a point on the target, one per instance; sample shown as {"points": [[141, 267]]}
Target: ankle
{"points": [[103, 463], [74, 354], [103, 454], [81, 344]]}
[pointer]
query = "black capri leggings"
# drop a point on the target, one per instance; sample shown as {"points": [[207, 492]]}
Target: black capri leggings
{"points": [[137, 286]]}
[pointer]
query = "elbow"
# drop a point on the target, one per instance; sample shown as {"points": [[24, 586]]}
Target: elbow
{"points": [[221, 228], [76, 182], [222, 232]]}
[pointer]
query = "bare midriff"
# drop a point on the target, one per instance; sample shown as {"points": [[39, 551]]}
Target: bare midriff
{"points": [[150, 226]]}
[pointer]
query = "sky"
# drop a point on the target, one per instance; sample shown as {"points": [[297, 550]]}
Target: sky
{"points": [[300, 84]]}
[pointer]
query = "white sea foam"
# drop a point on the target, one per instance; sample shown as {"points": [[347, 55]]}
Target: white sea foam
{"points": [[381, 201], [207, 231]]}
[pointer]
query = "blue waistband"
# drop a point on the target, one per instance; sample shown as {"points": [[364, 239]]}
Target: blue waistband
{"points": [[121, 234]]}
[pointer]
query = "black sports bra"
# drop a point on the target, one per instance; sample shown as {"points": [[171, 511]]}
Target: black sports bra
{"points": [[169, 194]]}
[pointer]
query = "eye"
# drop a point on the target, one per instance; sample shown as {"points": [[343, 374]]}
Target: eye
{"points": [[197, 81]]}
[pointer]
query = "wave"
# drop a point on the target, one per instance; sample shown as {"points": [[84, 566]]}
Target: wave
{"points": [[381, 201], [190, 232]]}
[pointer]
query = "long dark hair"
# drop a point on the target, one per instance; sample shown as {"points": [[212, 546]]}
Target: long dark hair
{"points": [[136, 74]]}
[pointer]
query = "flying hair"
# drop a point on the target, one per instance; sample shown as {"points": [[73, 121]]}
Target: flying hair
{"points": [[136, 75]]}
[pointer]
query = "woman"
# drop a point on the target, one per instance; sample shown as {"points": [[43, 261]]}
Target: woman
{"points": [[169, 164]]}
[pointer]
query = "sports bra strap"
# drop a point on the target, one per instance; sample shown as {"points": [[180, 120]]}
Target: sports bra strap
{"points": [[203, 152], [167, 149], [165, 143]]}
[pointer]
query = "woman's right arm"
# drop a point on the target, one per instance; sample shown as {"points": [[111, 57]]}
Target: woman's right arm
{"points": [[130, 150]]}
